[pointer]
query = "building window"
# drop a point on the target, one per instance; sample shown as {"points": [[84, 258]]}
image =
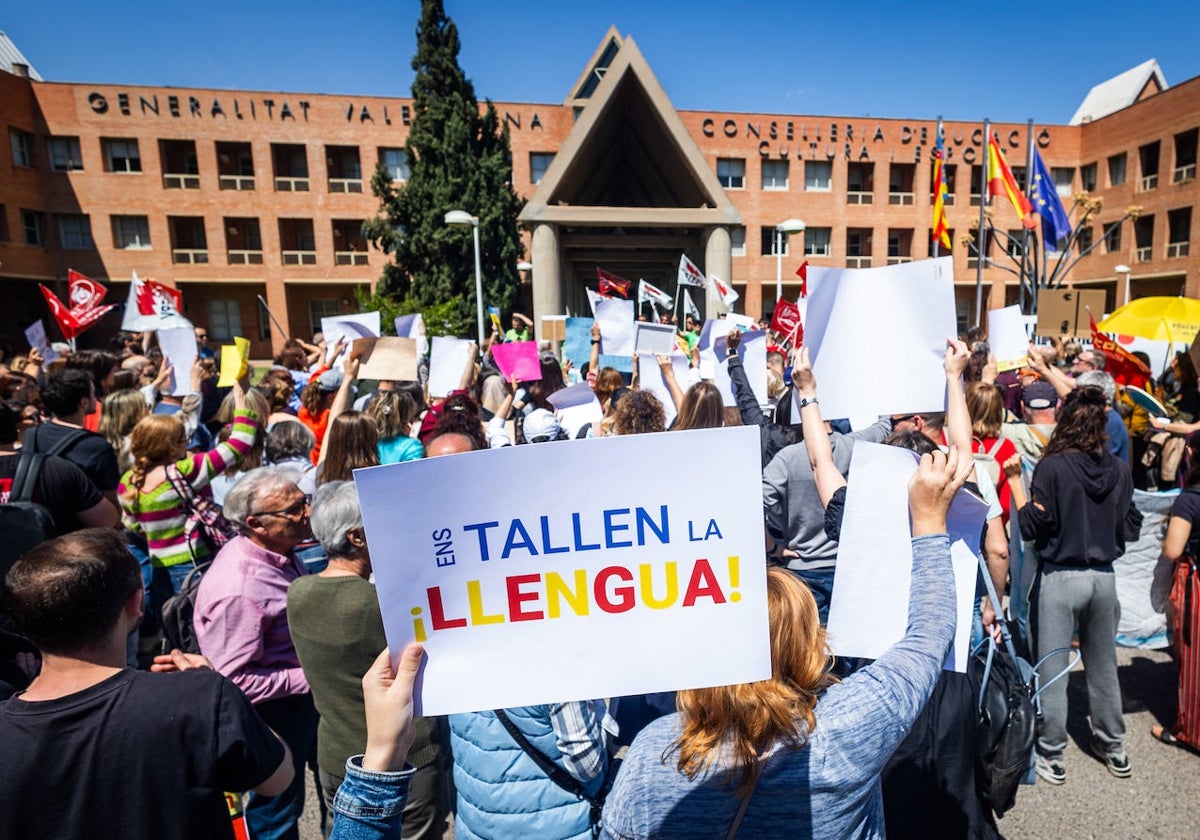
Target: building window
{"points": [[1083, 241], [974, 250], [318, 309], [297, 243], [860, 183], [74, 232], [936, 248], [774, 174], [22, 146], [243, 241], [1143, 238], [1185, 157], [859, 244], [224, 320], [1116, 170], [1087, 177], [65, 155], [344, 168], [4, 237], [900, 183], [121, 155], [1179, 226], [768, 242], [291, 167], [976, 184], [1112, 237], [737, 241], [818, 175], [817, 241], [731, 172], [235, 166], [1014, 243], [1148, 161], [1063, 176], [396, 164], [349, 245], [34, 224], [180, 166], [189, 240], [539, 162], [131, 233]]}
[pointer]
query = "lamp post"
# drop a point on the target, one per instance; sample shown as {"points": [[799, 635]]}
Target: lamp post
{"points": [[462, 217], [784, 228], [1127, 271]]}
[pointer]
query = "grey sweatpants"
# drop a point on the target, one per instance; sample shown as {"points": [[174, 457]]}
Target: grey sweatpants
{"points": [[1069, 597]]}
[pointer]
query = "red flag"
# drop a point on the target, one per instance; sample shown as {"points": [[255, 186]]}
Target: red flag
{"points": [[611, 284], [62, 316], [802, 273], [1123, 366], [154, 298], [86, 297], [786, 318]]}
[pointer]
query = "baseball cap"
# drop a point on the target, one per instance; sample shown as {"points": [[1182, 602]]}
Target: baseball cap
{"points": [[1039, 394], [541, 426], [330, 380]]}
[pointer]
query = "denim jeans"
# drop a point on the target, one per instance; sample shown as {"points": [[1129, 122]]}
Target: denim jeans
{"points": [[820, 582], [313, 557], [294, 719]]}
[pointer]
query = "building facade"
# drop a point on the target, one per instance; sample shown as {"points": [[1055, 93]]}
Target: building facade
{"points": [[236, 195]]}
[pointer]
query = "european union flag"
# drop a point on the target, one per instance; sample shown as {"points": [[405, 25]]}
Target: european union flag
{"points": [[1056, 226]]}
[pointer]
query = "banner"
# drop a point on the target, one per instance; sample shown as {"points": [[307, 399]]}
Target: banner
{"points": [[724, 291], [654, 295], [153, 306], [35, 334], [387, 358], [611, 284], [690, 308], [1007, 339], [1124, 367], [86, 297], [515, 596], [689, 275], [786, 319], [62, 316], [350, 327], [179, 351]]}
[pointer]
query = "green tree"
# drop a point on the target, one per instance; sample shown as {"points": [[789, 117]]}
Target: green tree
{"points": [[459, 159]]}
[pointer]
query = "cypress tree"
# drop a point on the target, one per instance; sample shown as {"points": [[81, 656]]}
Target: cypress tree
{"points": [[459, 159]]}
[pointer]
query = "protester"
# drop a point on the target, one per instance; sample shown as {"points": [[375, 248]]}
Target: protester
{"points": [[638, 413], [986, 406], [1079, 515], [1114, 426], [253, 458], [288, 445], [336, 626], [394, 413], [449, 443], [521, 329], [241, 623], [70, 396], [1039, 401], [772, 436], [315, 402], [93, 747], [702, 408], [120, 413]]}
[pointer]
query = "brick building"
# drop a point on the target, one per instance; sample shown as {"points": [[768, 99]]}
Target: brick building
{"points": [[234, 194]]}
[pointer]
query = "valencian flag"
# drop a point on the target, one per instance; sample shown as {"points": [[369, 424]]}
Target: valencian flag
{"points": [[1000, 181], [62, 316], [655, 295], [1123, 366], [1056, 225], [611, 284], [689, 275], [941, 226], [153, 306], [87, 299]]}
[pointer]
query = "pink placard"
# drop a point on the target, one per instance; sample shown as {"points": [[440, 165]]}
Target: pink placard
{"points": [[519, 357]]}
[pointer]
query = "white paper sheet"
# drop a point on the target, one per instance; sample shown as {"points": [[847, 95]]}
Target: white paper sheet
{"points": [[754, 361], [616, 326], [586, 538], [869, 609], [1007, 339], [350, 327], [576, 406], [179, 349], [35, 334], [654, 338], [651, 379], [447, 361], [877, 336]]}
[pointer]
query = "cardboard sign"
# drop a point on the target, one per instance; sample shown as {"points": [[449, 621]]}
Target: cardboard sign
{"points": [[869, 609], [1064, 312], [179, 351], [448, 360], [509, 591], [1007, 339], [554, 328], [656, 339], [386, 358], [518, 358], [235, 360]]}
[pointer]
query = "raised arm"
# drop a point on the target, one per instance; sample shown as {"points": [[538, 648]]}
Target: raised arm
{"points": [[341, 399], [594, 358], [668, 376], [958, 417], [820, 451], [1062, 383], [468, 375]]}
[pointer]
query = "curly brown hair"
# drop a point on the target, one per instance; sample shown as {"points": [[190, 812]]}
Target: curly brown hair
{"points": [[639, 412]]}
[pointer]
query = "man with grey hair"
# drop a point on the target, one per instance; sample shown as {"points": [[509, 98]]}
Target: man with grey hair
{"points": [[242, 626], [1118, 435], [338, 631]]}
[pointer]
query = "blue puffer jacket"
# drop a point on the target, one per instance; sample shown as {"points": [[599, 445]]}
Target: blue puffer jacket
{"points": [[501, 792]]}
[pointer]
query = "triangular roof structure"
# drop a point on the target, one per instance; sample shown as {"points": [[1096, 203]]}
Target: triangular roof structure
{"points": [[12, 60], [1120, 92], [628, 160]]}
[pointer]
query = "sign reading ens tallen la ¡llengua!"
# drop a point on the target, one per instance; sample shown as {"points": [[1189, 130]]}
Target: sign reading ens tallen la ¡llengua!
{"points": [[573, 570]]}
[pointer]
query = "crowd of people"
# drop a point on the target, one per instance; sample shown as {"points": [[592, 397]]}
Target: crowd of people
{"points": [[123, 500]]}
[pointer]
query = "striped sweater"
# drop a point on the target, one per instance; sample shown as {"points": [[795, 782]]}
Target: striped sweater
{"points": [[160, 515]]}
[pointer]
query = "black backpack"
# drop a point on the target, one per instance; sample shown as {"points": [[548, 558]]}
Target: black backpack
{"points": [[178, 611], [24, 523]]}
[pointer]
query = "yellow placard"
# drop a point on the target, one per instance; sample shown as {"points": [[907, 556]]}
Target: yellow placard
{"points": [[234, 361]]}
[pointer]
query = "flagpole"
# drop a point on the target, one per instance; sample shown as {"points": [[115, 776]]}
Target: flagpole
{"points": [[1025, 235], [979, 239], [937, 242], [271, 315]]}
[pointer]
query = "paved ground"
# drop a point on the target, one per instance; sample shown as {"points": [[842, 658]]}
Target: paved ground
{"points": [[1159, 801]]}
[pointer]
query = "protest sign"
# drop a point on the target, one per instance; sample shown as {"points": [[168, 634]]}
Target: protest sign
{"points": [[518, 358], [515, 595], [657, 339], [409, 326], [616, 326], [575, 407], [1007, 339], [179, 351], [742, 322], [349, 327], [234, 361], [1065, 312], [554, 328], [868, 612], [35, 334], [447, 360], [578, 347], [651, 378], [386, 358], [877, 336]]}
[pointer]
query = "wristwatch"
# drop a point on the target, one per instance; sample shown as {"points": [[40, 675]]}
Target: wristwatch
{"points": [[806, 401], [595, 341]]}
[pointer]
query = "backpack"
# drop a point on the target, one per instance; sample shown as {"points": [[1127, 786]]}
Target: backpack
{"points": [[25, 523], [205, 522], [178, 624], [987, 461]]}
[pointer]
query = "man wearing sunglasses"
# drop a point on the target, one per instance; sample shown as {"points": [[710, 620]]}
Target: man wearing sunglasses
{"points": [[241, 624]]}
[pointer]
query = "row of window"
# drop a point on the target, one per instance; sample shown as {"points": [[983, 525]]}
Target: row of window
{"points": [[235, 161], [189, 238], [1148, 158]]}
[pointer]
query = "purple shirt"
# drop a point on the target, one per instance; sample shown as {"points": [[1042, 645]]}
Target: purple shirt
{"points": [[241, 620]]}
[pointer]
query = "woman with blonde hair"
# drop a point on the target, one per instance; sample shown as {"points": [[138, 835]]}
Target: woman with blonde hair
{"points": [[394, 413], [798, 754], [352, 443], [985, 404], [702, 408], [119, 414]]}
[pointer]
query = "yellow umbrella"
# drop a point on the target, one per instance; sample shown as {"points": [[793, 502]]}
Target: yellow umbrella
{"points": [[1156, 318]]}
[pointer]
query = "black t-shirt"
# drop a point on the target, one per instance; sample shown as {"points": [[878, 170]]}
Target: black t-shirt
{"points": [[91, 453], [1187, 506], [138, 756], [62, 488]]}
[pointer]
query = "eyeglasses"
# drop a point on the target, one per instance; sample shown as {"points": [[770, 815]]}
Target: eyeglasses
{"points": [[907, 418], [201, 336], [294, 511]]}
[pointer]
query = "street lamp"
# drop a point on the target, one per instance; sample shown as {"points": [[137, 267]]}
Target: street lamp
{"points": [[787, 226], [1126, 270], [462, 217]]}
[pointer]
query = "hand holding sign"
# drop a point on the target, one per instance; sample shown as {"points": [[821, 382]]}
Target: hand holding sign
{"points": [[938, 477]]}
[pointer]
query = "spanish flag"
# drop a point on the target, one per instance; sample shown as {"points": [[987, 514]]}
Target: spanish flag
{"points": [[1001, 182], [941, 226]]}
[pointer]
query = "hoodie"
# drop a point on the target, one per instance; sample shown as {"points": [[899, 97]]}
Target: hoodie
{"points": [[1087, 510]]}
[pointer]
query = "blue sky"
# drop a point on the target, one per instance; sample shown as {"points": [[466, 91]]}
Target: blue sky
{"points": [[838, 59]]}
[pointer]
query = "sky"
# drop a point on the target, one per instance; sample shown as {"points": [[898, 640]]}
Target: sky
{"points": [[1008, 62]]}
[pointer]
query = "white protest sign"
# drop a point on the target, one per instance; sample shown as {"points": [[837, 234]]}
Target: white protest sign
{"points": [[575, 407], [877, 336], [1007, 339], [615, 318], [653, 338], [35, 334], [651, 379], [349, 327], [179, 349], [515, 595], [743, 322], [754, 363], [447, 361], [868, 612]]}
